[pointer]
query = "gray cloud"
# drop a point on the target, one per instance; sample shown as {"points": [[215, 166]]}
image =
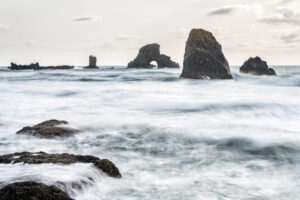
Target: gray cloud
{"points": [[127, 37], [284, 16], [255, 9], [221, 11], [88, 18]]}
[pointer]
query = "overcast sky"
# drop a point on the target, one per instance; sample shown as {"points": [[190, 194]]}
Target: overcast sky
{"points": [[68, 31]]}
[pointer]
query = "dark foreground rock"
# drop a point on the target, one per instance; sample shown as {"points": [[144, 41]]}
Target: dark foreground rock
{"points": [[204, 57], [49, 129], [105, 165], [149, 53], [36, 66], [32, 191], [92, 63], [256, 66]]}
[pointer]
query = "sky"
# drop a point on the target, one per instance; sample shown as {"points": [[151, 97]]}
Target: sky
{"points": [[55, 32]]}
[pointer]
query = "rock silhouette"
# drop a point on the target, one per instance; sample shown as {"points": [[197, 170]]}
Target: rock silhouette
{"points": [[92, 63], [204, 57], [257, 66], [36, 66], [32, 191], [149, 53]]}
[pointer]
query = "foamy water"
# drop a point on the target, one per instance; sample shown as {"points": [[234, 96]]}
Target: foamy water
{"points": [[171, 138]]}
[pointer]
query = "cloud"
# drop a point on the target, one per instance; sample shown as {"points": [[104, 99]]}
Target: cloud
{"points": [[236, 9], [284, 16], [122, 37], [94, 18], [4, 27], [182, 32], [287, 1]]}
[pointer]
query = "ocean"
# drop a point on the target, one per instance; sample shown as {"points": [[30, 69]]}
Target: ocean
{"points": [[171, 138]]}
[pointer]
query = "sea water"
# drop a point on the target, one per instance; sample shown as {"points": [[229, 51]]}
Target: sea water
{"points": [[171, 138]]}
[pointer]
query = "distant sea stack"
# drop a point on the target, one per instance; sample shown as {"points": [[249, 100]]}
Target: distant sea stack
{"points": [[36, 66], [257, 66], [92, 63], [204, 58], [149, 53]]}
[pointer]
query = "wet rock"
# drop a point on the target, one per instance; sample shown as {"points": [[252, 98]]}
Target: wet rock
{"points": [[92, 63], [60, 67], [257, 66], [49, 129], [32, 191], [149, 53], [14, 66], [105, 165], [204, 57], [165, 61]]}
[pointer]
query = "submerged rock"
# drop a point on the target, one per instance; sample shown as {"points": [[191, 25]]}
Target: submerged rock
{"points": [[32, 191], [60, 67], [204, 57], [14, 66], [149, 53], [257, 66], [92, 63], [105, 165], [49, 129]]}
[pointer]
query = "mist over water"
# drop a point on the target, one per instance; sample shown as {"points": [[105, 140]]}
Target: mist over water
{"points": [[171, 138]]}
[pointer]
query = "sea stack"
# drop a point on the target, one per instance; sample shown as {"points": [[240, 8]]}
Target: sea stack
{"points": [[256, 66], [92, 63], [203, 58], [149, 53]]}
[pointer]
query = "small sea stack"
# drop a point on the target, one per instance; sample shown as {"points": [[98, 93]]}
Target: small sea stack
{"points": [[92, 63], [150, 53], [105, 165], [32, 191], [203, 58], [256, 66], [49, 129]]}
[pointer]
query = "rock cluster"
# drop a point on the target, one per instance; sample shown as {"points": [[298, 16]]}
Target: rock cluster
{"points": [[36, 66], [32, 191], [204, 57], [257, 66], [149, 53], [105, 165], [49, 129], [92, 63]]}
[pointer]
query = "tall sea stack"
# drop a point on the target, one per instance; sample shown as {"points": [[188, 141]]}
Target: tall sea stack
{"points": [[92, 63], [204, 58]]}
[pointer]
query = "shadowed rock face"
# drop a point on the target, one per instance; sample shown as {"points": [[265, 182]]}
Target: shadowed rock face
{"points": [[36, 66], [105, 165], [204, 57], [92, 63], [32, 191], [149, 53], [49, 129], [257, 66]]}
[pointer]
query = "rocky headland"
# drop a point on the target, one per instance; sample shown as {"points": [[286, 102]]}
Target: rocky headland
{"points": [[36, 66]]}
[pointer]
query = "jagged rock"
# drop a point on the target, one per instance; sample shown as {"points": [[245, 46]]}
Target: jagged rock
{"points": [[36, 66], [14, 66], [105, 165], [92, 63], [204, 57], [49, 129], [257, 66], [165, 61], [149, 53], [32, 191], [60, 67]]}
